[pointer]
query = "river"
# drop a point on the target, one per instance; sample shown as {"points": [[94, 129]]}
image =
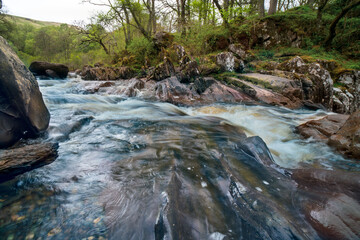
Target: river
{"points": [[136, 169]]}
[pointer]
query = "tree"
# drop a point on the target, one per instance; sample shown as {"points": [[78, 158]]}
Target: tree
{"points": [[261, 6], [94, 32], [272, 8], [332, 29]]}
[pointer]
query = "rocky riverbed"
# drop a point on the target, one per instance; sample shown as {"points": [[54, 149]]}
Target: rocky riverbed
{"points": [[129, 168]]}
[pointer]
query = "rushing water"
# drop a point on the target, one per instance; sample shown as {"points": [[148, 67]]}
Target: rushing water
{"points": [[120, 161]]}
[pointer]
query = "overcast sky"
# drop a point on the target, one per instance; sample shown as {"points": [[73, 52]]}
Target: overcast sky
{"points": [[62, 11]]}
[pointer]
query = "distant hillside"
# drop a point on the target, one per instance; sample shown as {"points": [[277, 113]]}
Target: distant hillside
{"points": [[24, 21]]}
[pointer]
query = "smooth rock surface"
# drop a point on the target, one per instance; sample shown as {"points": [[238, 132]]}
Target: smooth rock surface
{"points": [[21, 101]]}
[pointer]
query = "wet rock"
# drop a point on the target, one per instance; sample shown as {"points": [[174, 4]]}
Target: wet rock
{"points": [[238, 50], [267, 96], [106, 73], [163, 39], [324, 128], [163, 70], [171, 90], [218, 92], [18, 160], [337, 218], [53, 70], [228, 62], [289, 88], [332, 201], [63, 131], [21, 104], [347, 139], [320, 180]]}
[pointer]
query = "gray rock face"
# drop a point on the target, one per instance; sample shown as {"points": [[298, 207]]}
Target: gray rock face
{"points": [[349, 97], [228, 62], [238, 50], [317, 82], [21, 104]]}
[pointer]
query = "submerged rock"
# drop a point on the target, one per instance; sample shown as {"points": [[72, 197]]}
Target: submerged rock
{"points": [[22, 108], [18, 160], [53, 70]]}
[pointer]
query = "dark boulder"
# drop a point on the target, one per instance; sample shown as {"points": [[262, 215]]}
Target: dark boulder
{"points": [[163, 70], [41, 69], [21, 104], [189, 71]]}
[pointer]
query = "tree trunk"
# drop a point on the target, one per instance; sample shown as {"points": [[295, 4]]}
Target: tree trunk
{"points": [[332, 29], [153, 16], [138, 23], [261, 5], [272, 8], [221, 10], [183, 17], [104, 47]]}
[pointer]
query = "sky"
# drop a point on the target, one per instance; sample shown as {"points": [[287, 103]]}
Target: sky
{"points": [[62, 11]]}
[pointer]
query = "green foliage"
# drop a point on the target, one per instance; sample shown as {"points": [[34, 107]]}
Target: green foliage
{"points": [[266, 54], [142, 49]]}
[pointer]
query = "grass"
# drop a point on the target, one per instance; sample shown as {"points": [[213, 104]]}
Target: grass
{"points": [[31, 22]]}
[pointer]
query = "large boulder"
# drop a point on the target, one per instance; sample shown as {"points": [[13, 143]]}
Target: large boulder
{"points": [[228, 62], [316, 80], [22, 108], [52, 70], [163, 70]]}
